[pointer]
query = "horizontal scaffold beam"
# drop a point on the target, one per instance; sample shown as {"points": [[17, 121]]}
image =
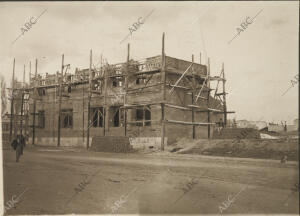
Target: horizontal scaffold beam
{"points": [[129, 106], [204, 109], [216, 79], [228, 112], [145, 121], [177, 107], [222, 93], [181, 87], [188, 123]]}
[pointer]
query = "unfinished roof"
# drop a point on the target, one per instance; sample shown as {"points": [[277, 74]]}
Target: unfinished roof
{"points": [[144, 66]]}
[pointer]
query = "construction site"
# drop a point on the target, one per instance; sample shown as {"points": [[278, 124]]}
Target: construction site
{"points": [[154, 100], [146, 136]]}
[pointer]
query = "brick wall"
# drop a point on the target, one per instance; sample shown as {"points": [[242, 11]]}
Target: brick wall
{"points": [[78, 102]]}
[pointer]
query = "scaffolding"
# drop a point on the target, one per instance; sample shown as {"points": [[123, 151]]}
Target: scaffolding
{"points": [[199, 87]]}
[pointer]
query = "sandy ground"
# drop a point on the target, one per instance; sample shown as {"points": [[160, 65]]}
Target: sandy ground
{"points": [[243, 148], [59, 181]]}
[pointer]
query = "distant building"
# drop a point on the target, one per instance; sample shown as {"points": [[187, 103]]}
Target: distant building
{"points": [[296, 124], [259, 125], [251, 124], [275, 127], [242, 123]]}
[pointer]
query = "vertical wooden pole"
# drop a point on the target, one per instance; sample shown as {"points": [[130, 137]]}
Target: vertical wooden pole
{"points": [[59, 101], [34, 101], [200, 58], [163, 78], [27, 131], [29, 73], [12, 102], [143, 116], [101, 65], [163, 69], [89, 101], [22, 103], [224, 97], [105, 110], [193, 110], [83, 112], [208, 95], [126, 87]]}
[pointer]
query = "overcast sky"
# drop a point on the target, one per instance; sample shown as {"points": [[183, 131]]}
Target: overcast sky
{"points": [[259, 63]]}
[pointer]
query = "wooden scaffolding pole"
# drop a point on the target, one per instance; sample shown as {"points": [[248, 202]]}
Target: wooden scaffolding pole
{"points": [[22, 103], [89, 101], [59, 100], [208, 96], [12, 102], [29, 73], [83, 113], [34, 102], [27, 130], [126, 87], [163, 80], [105, 110], [200, 58], [193, 111], [224, 97]]}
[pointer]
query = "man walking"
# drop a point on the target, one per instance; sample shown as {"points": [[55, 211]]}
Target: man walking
{"points": [[18, 144]]}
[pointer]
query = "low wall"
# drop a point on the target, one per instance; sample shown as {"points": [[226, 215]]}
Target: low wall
{"points": [[146, 142], [111, 144], [64, 141], [237, 133], [135, 142]]}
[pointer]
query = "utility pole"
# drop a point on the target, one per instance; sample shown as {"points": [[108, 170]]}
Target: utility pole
{"points": [[12, 102], [89, 101], [59, 101]]}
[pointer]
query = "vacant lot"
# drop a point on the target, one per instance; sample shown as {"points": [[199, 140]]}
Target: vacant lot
{"points": [[59, 181], [243, 148]]}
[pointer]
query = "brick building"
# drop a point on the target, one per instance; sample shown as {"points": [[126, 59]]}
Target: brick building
{"points": [[160, 97]]}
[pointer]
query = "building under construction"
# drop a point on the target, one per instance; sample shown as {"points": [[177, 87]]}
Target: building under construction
{"points": [[159, 98]]}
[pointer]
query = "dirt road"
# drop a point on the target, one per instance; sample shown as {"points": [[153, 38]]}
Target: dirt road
{"points": [[57, 181]]}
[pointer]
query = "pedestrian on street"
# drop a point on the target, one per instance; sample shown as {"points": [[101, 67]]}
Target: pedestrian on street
{"points": [[18, 144]]}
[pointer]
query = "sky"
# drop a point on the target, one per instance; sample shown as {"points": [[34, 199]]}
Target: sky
{"points": [[260, 62]]}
